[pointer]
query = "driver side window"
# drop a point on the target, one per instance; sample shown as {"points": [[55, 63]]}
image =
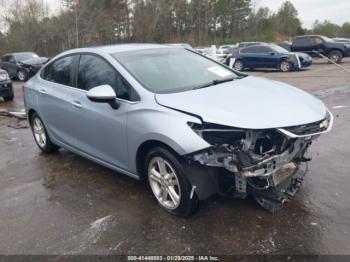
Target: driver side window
{"points": [[94, 71]]}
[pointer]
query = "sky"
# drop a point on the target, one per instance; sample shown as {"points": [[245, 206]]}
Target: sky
{"points": [[337, 11]]}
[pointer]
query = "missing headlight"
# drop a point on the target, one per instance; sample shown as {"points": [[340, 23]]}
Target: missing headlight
{"points": [[217, 134]]}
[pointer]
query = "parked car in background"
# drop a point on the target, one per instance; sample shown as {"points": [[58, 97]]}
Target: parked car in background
{"points": [[317, 44], [285, 45], [191, 131], [223, 51], [22, 65], [247, 44], [268, 56], [341, 40], [6, 89], [184, 45]]}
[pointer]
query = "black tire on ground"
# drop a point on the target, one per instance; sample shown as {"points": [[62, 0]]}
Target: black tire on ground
{"points": [[9, 98], [49, 146], [238, 65], [285, 66], [336, 56], [187, 206]]}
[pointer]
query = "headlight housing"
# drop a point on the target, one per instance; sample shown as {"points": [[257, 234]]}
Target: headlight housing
{"points": [[216, 134], [4, 77], [347, 45]]}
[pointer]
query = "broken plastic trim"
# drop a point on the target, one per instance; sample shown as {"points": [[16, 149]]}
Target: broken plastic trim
{"points": [[250, 153], [324, 126]]}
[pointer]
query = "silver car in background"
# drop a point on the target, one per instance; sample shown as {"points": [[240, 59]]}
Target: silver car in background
{"points": [[184, 123]]}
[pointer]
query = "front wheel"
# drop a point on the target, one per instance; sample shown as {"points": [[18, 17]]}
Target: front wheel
{"points": [[40, 135], [169, 184], [285, 66], [238, 65]]}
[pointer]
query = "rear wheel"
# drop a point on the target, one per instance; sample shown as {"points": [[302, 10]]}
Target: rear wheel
{"points": [[238, 65], [40, 135], [285, 66], [335, 56], [169, 184]]}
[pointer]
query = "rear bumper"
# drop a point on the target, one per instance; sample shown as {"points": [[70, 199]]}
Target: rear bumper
{"points": [[6, 88]]}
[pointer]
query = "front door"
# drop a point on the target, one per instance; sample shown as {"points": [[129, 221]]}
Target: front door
{"points": [[100, 129]]}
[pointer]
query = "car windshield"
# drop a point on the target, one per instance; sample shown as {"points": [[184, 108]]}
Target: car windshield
{"points": [[327, 39], [171, 70], [25, 56]]}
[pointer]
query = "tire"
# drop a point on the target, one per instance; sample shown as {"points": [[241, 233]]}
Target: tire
{"points": [[41, 136], [162, 188], [335, 56], [285, 66], [238, 65], [22, 75], [9, 98]]}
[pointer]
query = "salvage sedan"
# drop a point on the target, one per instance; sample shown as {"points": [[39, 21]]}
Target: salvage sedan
{"points": [[22, 65], [267, 56], [184, 123]]}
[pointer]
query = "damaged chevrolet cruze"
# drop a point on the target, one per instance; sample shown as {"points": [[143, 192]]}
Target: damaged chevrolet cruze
{"points": [[187, 125]]}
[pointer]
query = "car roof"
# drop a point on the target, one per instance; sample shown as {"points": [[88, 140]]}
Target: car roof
{"points": [[308, 36], [19, 53], [112, 49]]}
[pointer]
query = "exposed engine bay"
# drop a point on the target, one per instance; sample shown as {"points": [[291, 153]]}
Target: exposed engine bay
{"points": [[267, 164]]}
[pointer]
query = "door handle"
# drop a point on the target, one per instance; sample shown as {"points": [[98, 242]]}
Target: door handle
{"points": [[43, 91], [77, 104]]}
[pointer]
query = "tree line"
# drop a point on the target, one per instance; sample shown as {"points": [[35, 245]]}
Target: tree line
{"points": [[28, 25]]}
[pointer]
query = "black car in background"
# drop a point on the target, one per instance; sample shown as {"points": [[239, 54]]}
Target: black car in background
{"points": [[22, 65], [317, 44], [285, 45], [6, 90]]}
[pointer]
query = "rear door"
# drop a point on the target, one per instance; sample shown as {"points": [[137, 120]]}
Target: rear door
{"points": [[56, 94], [267, 57], [250, 57]]}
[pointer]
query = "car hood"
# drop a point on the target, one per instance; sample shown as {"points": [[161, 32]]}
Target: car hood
{"points": [[303, 55], [35, 61], [251, 103]]}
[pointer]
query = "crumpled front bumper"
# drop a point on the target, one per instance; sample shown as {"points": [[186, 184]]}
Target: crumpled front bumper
{"points": [[272, 179]]}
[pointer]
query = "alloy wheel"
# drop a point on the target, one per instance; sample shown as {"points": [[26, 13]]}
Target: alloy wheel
{"points": [[21, 75], [39, 132], [285, 66], [164, 183], [238, 66]]}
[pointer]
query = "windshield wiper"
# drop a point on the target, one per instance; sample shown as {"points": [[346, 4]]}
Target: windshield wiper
{"points": [[214, 83]]}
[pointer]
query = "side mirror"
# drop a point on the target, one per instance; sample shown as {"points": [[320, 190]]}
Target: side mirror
{"points": [[103, 94], [272, 53]]}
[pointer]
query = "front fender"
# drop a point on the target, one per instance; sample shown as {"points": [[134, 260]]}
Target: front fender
{"points": [[164, 125]]}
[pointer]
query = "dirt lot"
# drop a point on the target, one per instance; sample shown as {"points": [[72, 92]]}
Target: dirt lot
{"points": [[64, 204]]}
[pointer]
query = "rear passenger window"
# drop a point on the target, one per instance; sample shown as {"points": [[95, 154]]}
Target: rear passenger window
{"points": [[60, 71], [302, 41], [94, 71]]}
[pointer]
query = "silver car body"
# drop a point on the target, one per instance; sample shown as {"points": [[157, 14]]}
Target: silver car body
{"points": [[114, 138]]}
